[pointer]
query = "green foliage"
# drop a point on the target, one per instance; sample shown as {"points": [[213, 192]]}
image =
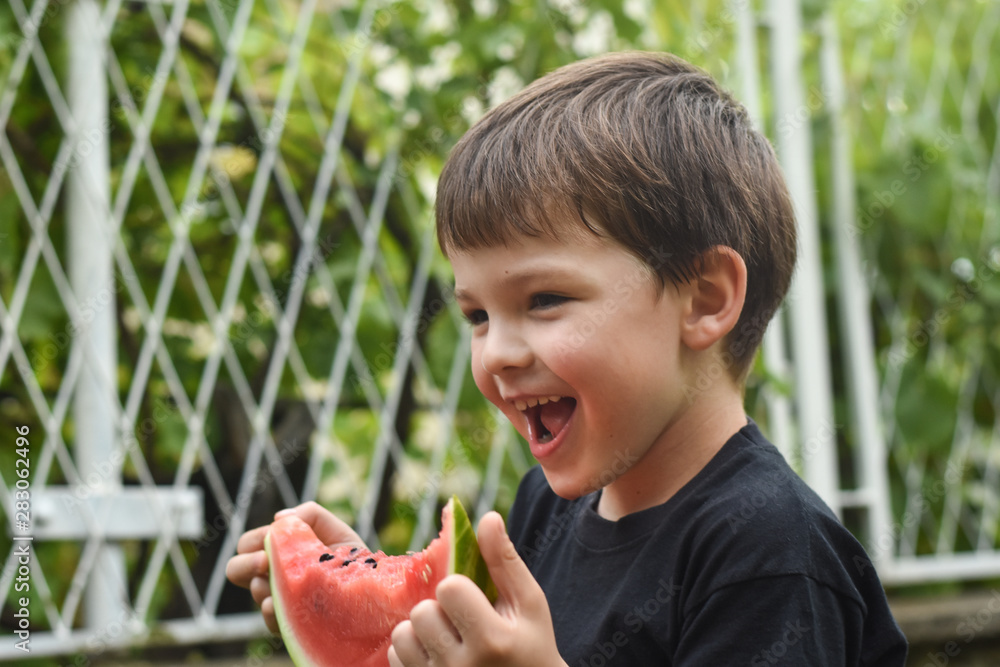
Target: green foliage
{"points": [[427, 70], [923, 109]]}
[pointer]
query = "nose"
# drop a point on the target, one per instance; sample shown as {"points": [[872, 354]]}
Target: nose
{"points": [[504, 348]]}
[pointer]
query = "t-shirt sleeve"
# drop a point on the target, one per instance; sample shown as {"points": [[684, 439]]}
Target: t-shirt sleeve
{"points": [[787, 619]]}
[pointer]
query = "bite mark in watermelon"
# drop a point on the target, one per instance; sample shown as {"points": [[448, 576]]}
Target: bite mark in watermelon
{"points": [[337, 608]]}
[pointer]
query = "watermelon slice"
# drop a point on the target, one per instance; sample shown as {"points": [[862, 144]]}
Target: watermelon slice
{"points": [[337, 608]]}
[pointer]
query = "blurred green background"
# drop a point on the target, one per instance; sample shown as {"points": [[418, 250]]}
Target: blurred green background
{"points": [[922, 103]]}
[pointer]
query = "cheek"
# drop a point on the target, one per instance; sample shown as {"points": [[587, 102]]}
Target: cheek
{"points": [[488, 388], [484, 381], [577, 359], [563, 349]]}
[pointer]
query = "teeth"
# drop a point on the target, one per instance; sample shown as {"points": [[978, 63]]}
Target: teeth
{"points": [[532, 402]]}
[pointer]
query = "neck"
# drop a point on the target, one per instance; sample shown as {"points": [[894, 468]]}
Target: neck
{"points": [[681, 451]]}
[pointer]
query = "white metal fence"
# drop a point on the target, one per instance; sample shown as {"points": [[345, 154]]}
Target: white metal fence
{"points": [[221, 295]]}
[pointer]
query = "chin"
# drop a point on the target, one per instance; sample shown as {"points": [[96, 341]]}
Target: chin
{"points": [[569, 487]]}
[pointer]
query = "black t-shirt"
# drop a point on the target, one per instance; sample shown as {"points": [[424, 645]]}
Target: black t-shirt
{"points": [[745, 565]]}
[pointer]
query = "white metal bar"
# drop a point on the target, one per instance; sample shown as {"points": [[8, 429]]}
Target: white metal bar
{"points": [[775, 349], [958, 455], [747, 59], [322, 273], [180, 220], [401, 363], [943, 59], [912, 474], [79, 354], [355, 302], [381, 270], [125, 632], [165, 521], [982, 49], [40, 587], [300, 272], [261, 442], [126, 513], [990, 520], [48, 78], [91, 268], [895, 85], [501, 440], [951, 567], [854, 302], [15, 73], [346, 342], [456, 378], [813, 390]]}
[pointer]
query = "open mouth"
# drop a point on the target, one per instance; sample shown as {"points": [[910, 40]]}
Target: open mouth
{"points": [[547, 416]]}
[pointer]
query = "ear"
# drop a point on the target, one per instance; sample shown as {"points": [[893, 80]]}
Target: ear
{"points": [[716, 298]]}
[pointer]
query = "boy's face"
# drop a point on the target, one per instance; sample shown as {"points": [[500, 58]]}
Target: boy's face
{"points": [[575, 343]]}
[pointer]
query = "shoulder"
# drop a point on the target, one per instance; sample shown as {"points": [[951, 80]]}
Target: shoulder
{"points": [[760, 537], [753, 517]]}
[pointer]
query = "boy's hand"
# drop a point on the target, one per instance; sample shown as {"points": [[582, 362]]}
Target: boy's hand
{"points": [[461, 629], [249, 569]]}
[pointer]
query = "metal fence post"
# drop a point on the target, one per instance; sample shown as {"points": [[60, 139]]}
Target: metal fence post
{"points": [[855, 315], [91, 272], [810, 346], [775, 348]]}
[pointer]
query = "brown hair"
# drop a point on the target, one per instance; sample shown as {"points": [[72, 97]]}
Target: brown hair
{"points": [[643, 148]]}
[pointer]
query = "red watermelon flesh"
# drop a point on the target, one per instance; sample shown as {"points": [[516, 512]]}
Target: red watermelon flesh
{"points": [[338, 607]]}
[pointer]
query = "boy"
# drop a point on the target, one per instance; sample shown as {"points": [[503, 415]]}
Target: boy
{"points": [[620, 233]]}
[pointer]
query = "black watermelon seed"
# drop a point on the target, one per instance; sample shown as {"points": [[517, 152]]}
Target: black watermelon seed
{"points": [[354, 550], [346, 563], [325, 557], [372, 562]]}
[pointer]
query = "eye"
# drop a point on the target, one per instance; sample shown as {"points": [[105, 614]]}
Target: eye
{"points": [[476, 317], [545, 300]]}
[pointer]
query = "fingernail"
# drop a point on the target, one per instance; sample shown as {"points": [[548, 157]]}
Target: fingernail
{"points": [[283, 513]]}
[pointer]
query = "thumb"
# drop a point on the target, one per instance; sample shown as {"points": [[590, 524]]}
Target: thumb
{"points": [[513, 580]]}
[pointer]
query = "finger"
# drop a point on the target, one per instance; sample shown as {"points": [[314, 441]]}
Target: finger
{"points": [[252, 540], [466, 607], [407, 648], [260, 589], [243, 568], [330, 529], [510, 574], [433, 629], [270, 620]]}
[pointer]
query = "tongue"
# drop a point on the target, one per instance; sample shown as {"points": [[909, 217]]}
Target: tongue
{"points": [[555, 415]]}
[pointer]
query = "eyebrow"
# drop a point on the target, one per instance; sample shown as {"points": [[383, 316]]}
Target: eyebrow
{"points": [[523, 276]]}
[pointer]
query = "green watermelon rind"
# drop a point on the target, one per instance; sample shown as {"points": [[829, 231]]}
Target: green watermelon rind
{"points": [[295, 651], [464, 556]]}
